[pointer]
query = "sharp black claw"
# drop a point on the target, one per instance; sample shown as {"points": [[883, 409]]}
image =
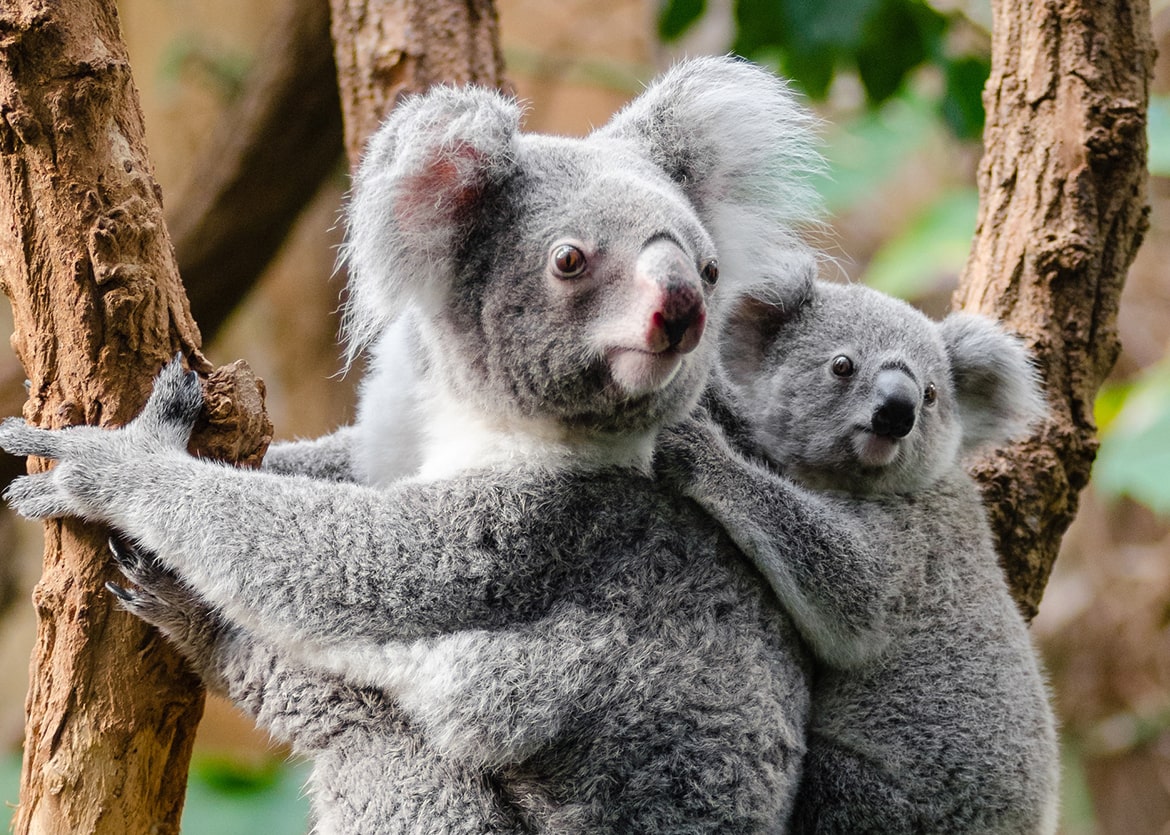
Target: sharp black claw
{"points": [[122, 594], [122, 552]]}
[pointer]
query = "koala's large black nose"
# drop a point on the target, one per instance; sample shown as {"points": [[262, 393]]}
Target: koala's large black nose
{"points": [[679, 316], [897, 404]]}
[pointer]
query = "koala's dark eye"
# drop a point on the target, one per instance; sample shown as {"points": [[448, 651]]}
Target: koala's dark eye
{"points": [[568, 261], [711, 272], [930, 395], [842, 366]]}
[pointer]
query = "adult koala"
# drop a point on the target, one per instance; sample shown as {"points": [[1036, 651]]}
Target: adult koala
{"points": [[558, 291], [930, 713]]}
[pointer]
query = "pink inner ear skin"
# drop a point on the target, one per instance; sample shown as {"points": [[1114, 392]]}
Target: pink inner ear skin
{"points": [[446, 188]]}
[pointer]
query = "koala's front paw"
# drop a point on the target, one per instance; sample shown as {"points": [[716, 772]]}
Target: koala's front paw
{"points": [[88, 477], [42, 496], [20, 438], [173, 406], [161, 599]]}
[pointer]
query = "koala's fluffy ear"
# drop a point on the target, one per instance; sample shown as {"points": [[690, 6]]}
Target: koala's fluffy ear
{"points": [[756, 319], [997, 387], [734, 138], [420, 179]]}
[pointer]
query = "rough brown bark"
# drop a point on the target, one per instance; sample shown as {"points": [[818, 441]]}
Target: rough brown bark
{"points": [[385, 48], [98, 307], [269, 153], [1062, 211]]}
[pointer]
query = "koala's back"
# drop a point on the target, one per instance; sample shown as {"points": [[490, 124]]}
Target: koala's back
{"points": [[954, 716], [701, 727], [658, 685]]}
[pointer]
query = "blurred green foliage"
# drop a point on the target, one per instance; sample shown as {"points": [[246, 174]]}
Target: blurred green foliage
{"points": [[867, 149], [883, 42], [224, 797], [219, 67], [866, 155], [1158, 133], [1134, 420], [929, 250]]}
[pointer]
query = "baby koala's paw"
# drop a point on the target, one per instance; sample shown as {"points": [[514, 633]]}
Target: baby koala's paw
{"points": [[685, 449]]}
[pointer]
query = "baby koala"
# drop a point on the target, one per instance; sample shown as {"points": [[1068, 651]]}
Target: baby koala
{"points": [[930, 714]]}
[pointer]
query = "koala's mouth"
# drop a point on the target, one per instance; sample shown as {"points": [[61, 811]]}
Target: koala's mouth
{"points": [[875, 450], [637, 371]]}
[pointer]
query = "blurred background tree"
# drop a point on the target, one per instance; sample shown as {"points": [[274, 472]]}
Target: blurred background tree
{"points": [[899, 84]]}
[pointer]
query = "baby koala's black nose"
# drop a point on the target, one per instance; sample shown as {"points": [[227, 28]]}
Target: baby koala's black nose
{"points": [[897, 404]]}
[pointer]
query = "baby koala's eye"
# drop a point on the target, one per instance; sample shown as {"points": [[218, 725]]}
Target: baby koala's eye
{"points": [[930, 395], [568, 261], [710, 272], [842, 366]]}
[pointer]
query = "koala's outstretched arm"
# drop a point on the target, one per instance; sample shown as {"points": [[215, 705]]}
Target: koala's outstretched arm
{"points": [[304, 707], [328, 458], [837, 586], [290, 558]]}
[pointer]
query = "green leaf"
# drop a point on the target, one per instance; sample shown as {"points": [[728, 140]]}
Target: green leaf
{"points": [[934, 245], [962, 103], [10, 779], [1134, 457], [760, 26], [1110, 400], [677, 16], [896, 37], [811, 39]]}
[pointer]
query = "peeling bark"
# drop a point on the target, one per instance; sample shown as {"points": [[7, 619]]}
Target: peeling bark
{"points": [[1063, 209], [98, 308]]}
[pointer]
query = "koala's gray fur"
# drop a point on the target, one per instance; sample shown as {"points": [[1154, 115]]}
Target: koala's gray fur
{"points": [[930, 714], [527, 634]]}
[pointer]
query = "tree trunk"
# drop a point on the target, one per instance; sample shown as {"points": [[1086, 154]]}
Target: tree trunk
{"points": [[98, 308], [1062, 189], [386, 48]]}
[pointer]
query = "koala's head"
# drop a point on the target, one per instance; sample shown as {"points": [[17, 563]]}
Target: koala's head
{"points": [[850, 389], [572, 280]]}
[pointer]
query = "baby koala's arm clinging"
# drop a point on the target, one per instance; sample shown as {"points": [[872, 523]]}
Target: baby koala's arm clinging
{"points": [[837, 586]]}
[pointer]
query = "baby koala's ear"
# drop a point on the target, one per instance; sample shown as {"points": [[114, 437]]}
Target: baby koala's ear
{"points": [[420, 181], [997, 387], [757, 319]]}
